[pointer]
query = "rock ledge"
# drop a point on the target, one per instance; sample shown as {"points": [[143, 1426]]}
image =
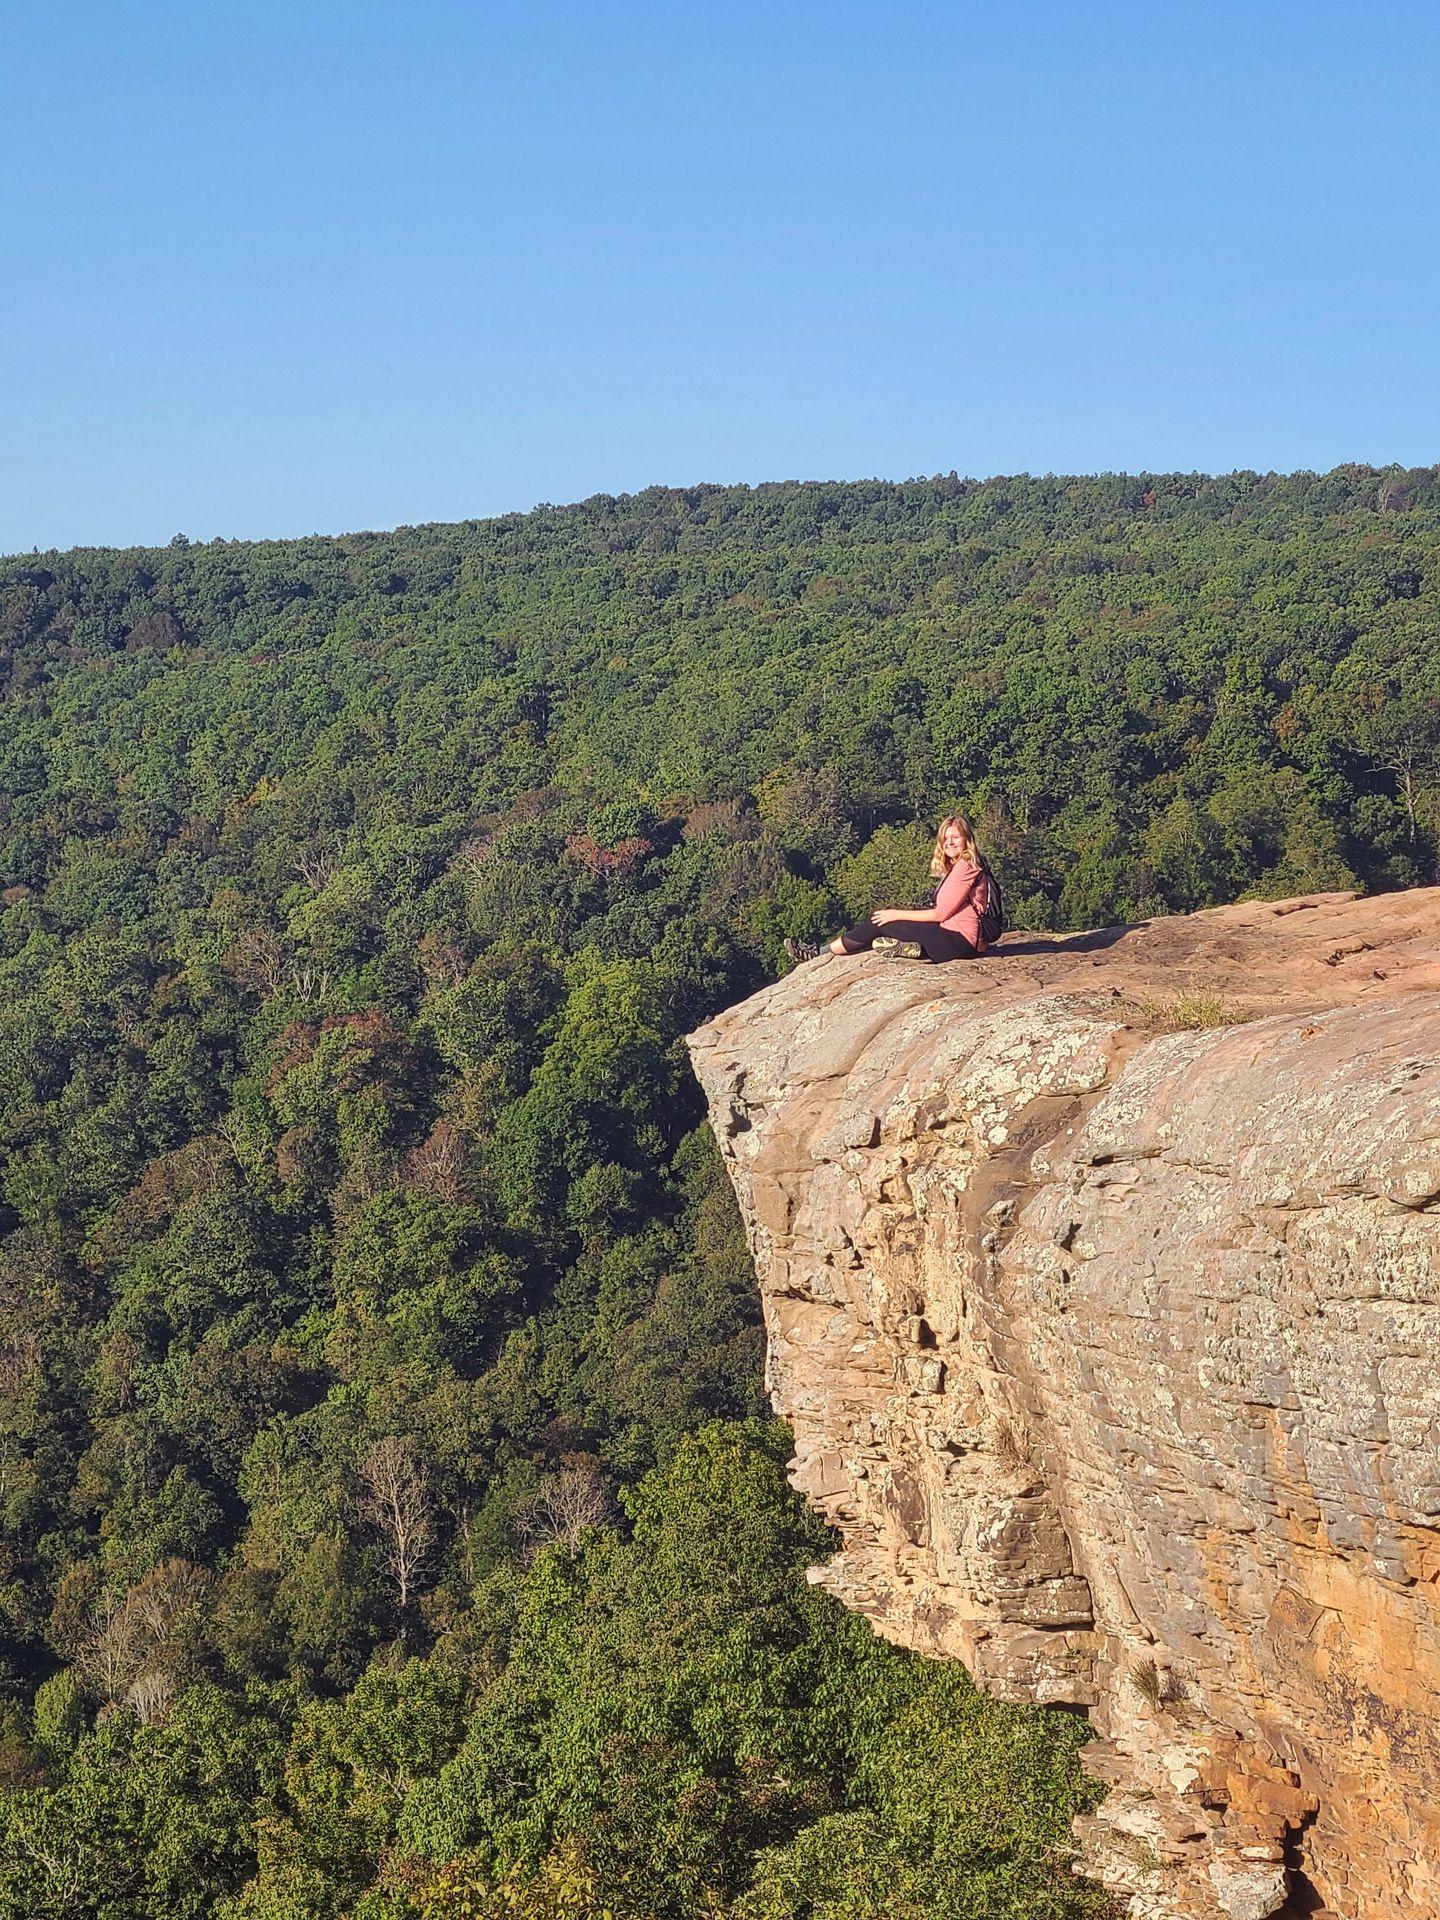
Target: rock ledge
{"points": [[1114, 1354]]}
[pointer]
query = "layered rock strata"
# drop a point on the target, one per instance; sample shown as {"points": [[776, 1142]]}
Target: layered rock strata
{"points": [[1113, 1352]]}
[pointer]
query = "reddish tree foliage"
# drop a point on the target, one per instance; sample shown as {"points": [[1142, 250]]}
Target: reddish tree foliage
{"points": [[377, 1052], [605, 863]]}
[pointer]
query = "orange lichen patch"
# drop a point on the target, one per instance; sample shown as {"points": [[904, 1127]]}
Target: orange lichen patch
{"points": [[1380, 1637]]}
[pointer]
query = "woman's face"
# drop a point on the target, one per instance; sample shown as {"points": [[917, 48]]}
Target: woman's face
{"points": [[953, 844]]}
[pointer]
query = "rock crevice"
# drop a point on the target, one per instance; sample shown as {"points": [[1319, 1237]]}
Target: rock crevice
{"points": [[1112, 1353]]}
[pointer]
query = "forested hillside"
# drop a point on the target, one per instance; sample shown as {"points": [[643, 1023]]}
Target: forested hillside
{"points": [[391, 1525]]}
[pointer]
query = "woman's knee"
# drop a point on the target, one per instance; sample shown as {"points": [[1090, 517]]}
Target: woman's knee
{"points": [[855, 939]]}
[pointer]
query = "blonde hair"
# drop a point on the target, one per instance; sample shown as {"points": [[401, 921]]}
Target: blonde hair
{"points": [[939, 865]]}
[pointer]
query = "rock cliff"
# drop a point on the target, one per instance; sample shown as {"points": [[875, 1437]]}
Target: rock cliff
{"points": [[1113, 1351]]}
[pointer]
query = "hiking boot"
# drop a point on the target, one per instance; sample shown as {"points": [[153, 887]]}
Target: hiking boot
{"points": [[804, 949], [898, 949]]}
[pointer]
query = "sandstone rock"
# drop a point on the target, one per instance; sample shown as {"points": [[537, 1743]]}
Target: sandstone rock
{"points": [[1112, 1352]]}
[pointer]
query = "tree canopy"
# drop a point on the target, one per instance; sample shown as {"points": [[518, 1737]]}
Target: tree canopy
{"points": [[391, 1528]]}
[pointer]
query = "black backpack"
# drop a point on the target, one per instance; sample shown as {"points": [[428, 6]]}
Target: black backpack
{"points": [[992, 914]]}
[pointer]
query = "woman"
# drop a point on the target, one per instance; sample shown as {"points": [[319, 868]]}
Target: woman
{"points": [[950, 930]]}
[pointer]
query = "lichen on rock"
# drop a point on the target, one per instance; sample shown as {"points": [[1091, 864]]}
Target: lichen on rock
{"points": [[1115, 1351]]}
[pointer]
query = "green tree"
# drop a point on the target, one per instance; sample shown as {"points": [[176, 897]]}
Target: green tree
{"points": [[892, 869]]}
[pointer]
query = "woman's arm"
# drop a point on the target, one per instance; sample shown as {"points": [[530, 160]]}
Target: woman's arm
{"points": [[928, 915]]}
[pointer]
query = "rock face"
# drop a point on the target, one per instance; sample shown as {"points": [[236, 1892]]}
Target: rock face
{"points": [[1113, 1351]]}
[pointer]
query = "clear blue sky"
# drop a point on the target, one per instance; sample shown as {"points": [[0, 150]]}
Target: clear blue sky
{"points": [[280, 268]]}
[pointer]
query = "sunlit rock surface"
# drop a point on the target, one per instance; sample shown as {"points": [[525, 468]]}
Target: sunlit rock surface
{"points": [[1114, 1354]]}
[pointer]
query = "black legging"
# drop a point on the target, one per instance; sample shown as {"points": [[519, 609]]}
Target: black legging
{"points": [[936, 942]]}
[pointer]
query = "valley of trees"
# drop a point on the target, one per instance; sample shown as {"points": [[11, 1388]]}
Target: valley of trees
{"points": [[392, 1525]]}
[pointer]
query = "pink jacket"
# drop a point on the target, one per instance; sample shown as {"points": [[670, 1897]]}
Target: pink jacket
{"points": [[962, 894]]}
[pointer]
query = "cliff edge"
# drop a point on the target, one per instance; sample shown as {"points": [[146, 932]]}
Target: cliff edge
{"points": [[1113, 1351]]}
